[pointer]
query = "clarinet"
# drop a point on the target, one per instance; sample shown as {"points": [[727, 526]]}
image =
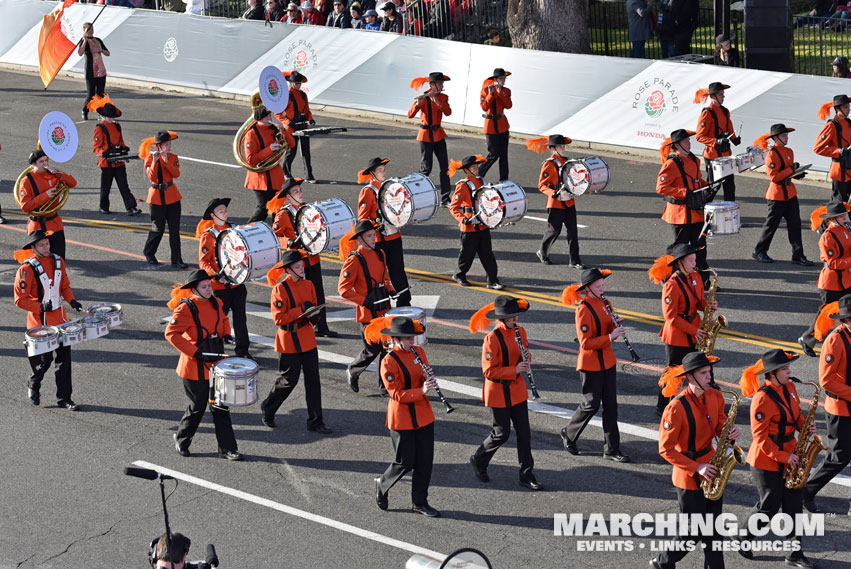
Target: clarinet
{"points": [[525, 353], [626, 341], [449, 408]]}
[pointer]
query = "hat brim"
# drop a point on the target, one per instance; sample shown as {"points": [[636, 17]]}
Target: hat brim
{"points": [[35, 239], [492, 315], [792, 359], [504, 74], [840, 315], [208, 213], [392, 334], [832, 215], [358, 234], [298, 79], [582, 287], [110, 114], [692, 252], [464, 166], [191, 284], [370, 169], [171, 136], [710, 364]]}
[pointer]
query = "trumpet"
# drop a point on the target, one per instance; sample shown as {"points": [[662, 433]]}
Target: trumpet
{"points": [[52, 205], [272, 161], [427, 372]]}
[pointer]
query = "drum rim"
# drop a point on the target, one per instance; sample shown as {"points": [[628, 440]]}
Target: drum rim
{"points": [[47, 330]]}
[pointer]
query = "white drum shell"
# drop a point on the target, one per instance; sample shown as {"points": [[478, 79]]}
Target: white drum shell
{"points": [[96, 326], [71, 333], [588, 175], [247, 252], [725, 217], [322, 224], [413, 313], [41, 340], [235, 382], [510, 200], [113, 312], [723, 166], [410, 199]]}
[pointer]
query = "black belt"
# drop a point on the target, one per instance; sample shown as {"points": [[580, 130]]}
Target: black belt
{"points": [[162, 186], [502, 381], [467, 210], [669, 199], [494, 117], [780, 441], [833, 395], [294, 327], [39, 218], [694, 455], [688, 317], [430, 126]]}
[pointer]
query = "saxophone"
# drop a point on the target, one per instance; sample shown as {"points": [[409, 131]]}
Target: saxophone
{"points": [[710, 324], [808, 446], [713, 489]]}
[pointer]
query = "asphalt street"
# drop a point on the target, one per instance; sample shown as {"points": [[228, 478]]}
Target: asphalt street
{"points": [[301, 499]]}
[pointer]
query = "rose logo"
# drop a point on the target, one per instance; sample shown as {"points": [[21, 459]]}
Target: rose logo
{"points": [[655, 104], [300, 61], [170, 50], [58, 135], [273, 87]]}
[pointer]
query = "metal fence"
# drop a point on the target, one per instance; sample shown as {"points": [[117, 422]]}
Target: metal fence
{"points": [[817, 41]]}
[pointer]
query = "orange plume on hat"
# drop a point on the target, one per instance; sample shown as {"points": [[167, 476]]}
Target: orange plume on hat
{"points": [[203, 226], [418, 327], [99, 101], [750, 380], [346, 244], [571, 295], [479, 320], [372, 332], [276, 203], [824, 322], [665, 149], [815, 217], [824, 111], [762, 141], [671, 380], [454, 166], [418, 82], [145, 147], [21, 255], [487, 82], [523, 303], [178, 294], [538, 145], [700, 96], [275, 273], [661, 271], [364, 178]]}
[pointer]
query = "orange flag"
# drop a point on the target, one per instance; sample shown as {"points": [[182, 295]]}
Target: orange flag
{"points": [[54, 47]]}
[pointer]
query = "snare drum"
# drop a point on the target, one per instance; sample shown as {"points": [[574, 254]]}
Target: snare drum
{"points": [[113, 312], [725, 217], [500, 204], [235, 381], [757, 155], [71, 333], [413, 313], [322, 224], [247, 252], [411, 199], [41, 339], [95, 326], [723, 166], [587, 175]]}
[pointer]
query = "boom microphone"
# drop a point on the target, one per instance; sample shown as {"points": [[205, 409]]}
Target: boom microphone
{"points": [[145, 473]]}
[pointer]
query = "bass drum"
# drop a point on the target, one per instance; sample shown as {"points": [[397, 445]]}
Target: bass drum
{"points": [[411, 199], [235, 382], [500, 204], [322, 224], [247, 252], [588, 175]]}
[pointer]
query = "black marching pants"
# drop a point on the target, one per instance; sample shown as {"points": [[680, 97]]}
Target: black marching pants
{"points": [[233, 300], [503, 417], [497, 150], [290, 367], [774, 496], [598, 387], [198, 392], [119, 174], [477, 243], [414, 451], [304, 142], [395, 256], [41, 363], [94, 86], [827, 296], [429, 150], [160, 215], [838, 445], [556, 218], [690, 233], [694, 502], [778, 210], [366, 356], [263, 197], [841, 190], [314, 275]]}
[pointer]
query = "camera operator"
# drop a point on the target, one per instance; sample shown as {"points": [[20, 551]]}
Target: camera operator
{"points": [[173, 557]]}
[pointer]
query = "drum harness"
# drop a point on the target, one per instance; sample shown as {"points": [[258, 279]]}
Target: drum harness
{"points": [[204, 343], [470, 186], [379, 289], [725, 146], [161, 186], [783, 184], [686, 202], [43, 282], [559, 169], [844, 156], [293, 327], [215, 233]]}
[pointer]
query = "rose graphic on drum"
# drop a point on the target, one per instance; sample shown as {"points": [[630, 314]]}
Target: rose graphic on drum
{"points": [[410, 199], [587, 175], [321, 225], [247, 252], [500, 204]]}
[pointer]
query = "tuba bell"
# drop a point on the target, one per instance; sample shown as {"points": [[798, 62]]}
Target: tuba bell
{"points": [[265, 165], [49, 207]]}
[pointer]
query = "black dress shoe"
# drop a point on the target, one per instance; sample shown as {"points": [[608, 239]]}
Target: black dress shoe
{"points": [[544, 260], [798, 559], [532, 484], [180, 450], [268, 421], [762, 257], [70, 405], [34, 396], [569, 445], [231, 455], [495, 286], [134, 211], [85, 115], [807, 349], [353, 381], [310, 180], [481, 473], [810, 506], [461, 280], [321, 429], [326, 333], [2, 220], [654, 564], [579, 266], [152, 260], [746, 553], [180, 265], [104, 211], [803, 261], [380, 497], [616, 456], [425, 510]]}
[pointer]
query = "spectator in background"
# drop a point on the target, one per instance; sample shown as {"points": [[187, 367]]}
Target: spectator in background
{"points": [[255, 11], [665, 26], [324, 7], [725, 54], [94, 50], [364, 4], [173, 5], [821, 9], [195, 7], [439, 23], [339, 18], [274, 12], [840, 67], [837, 19], [685, 19], [492, 37], [293, 15], [309, 15], [414, 20], [392, 21], [356, 14], [370, 20], [639, 16]]}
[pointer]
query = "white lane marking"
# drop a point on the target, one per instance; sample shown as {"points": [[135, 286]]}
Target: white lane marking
{"points": [[188, 159], [354, 530], [543, 219], [427, 302]]}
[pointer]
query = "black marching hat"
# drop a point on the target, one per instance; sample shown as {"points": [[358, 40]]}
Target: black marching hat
{"points": [[261, 112], [437, 76], [840, 100], [289, 184], [362, 227], [468, 161], [35, 155], [717, 87], [680, 250], [109, 111], [505, 307], [591, 275], [35, 237], [214, 203], [195, 277], [373, 164], [296, 77], [164, 136], [499, 72], [834, 209], [694, 361], [775, 359], [844, 304], [780, 128], [681, 134], [291, 257], [557, 140], [400, 327]]}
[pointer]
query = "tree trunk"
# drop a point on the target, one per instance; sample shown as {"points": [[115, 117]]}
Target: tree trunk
{"points": [[549, 25]]}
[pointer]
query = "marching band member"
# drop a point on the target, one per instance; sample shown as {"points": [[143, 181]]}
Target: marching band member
{"points": [[781, 195], [297, 116], [233, 297], [410, 418], [494, 99], [197, 327], [37, 188], [834, 380], [285, 207], [504, 390], [677, 181], [162, 167], [715, 132], [834, 280], [561, 207], [292, 298], [685, 441], [596, 364], [259, 143], [833, 142], [365, 282], [682, 297], [775, 416], [389, 237], [431, 106], [40, 284], [106, 140], [475, 236]]}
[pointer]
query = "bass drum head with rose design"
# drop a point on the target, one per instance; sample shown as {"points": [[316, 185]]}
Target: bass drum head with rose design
{"points": [[247, 252], [410, 199], [322, 224], [500, 204]]}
